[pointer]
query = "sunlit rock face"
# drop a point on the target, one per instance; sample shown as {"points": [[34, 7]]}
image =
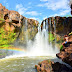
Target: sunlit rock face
{"points": [[10, 19], [28, 31], [63, 24], [66, 53], [13, 21]]}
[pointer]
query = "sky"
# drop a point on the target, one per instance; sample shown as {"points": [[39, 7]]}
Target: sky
{"points": [[38, 9]]}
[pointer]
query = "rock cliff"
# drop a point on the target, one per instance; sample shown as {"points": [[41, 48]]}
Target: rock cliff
{"points": [[13, 21], [62, 24]]}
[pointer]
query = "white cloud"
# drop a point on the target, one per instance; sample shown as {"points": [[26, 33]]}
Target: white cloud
{"points": [[36, 19], [54, 4], [44, 0], [62, 13], [6, 3], [29, 7], [45, 18], [33, 13], [33, 18], [40, 5], [20, 8], [29, 3]]}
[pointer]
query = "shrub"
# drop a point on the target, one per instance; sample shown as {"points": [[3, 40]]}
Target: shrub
{"points": [[61, 47], [51, 37], [6, 38]]}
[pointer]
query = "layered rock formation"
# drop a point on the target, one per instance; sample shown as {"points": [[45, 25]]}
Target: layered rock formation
{"points": [[49, 66], [66, 53], [62, 25], [13, 21], [28, 31]]}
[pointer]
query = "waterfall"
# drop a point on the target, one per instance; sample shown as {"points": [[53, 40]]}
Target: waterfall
{"points": [[47, 26], [55, 30], [26, 28], [40, 46], [50, 31], [50, 25]]}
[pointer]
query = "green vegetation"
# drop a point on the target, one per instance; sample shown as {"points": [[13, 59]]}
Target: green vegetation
{"points": [[59, 40], [68, 15], [51, 37], [6, 38], [70, 33], [1, 19], [61, 47]]}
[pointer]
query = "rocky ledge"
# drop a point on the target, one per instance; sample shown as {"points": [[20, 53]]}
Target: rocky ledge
{"points": [[66, 53], [49, 66]]}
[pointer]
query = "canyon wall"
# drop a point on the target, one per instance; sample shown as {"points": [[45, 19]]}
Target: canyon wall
{"points": [[62, 25], [14, 22]]}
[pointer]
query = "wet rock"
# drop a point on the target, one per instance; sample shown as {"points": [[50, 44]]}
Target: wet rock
{"points": [[49, 66], [66, 55], [44, 66]]}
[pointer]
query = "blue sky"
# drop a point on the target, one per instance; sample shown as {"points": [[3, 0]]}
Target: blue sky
{"points": [[38, 9]]}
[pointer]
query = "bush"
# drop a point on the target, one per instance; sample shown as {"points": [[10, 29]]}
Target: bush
{"points": [[70, 33], [6, 38], [52, 38], [61, 47]]}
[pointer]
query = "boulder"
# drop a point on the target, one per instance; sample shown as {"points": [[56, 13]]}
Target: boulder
{"points": [[66, 54], [49, 66]]}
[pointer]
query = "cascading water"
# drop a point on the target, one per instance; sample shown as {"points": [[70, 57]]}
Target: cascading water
{"points": [[55, 30], [50, 31], [40, 46], [26, 35]]}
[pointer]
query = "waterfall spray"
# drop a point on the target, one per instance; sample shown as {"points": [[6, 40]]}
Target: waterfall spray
{"points": [[40, 45]]}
